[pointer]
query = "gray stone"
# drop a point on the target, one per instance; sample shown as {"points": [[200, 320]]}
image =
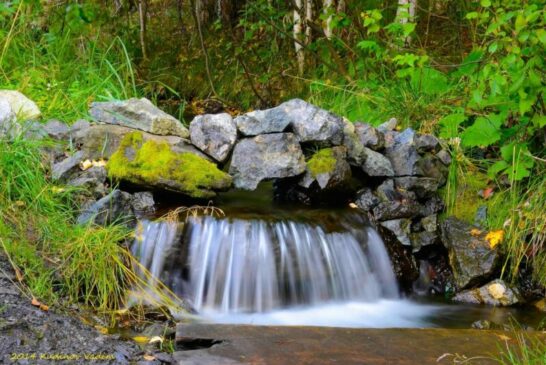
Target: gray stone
{"points": [[389, 125], [143, 202], [472, 259], [422, 186], [257, 122], [480, 219], [366, 199], [352, 143], [445, 157], [432, 206], [339, 174], [64, 169], [24, 108], [56, 129], [267, 156], [115, 207], [496, 293], [91, 181], [401, 229], [102, 140], [214, 134], [396, 209], [138, 114], [430, 223], [423, 239], [369, 136], [8, 123], [430, 166], [375, 164], [403, 154], [427, 143]]}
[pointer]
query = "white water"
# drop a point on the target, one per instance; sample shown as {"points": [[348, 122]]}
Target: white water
{"points": [[282, 273]]}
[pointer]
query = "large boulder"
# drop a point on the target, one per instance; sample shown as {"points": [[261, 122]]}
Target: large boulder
{"points": [[403, 154], [496, 293], [102, 140], [470, 255], [21, 106], [267, 156], [157, 165], [214, 134], [138, 114], [328, 168]]}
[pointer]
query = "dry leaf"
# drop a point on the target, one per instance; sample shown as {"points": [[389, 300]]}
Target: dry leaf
{"points": [[353, 205], [35, 302], [102, 329], [504, 338], [156, 339], [141, 339], [85, 165], [495, 237], [19, 275], [475, 232], [20, 203], [149, 357]]}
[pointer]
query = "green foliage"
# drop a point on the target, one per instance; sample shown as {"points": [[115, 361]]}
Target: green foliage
{"points": [[321, 162], [151, 162]]}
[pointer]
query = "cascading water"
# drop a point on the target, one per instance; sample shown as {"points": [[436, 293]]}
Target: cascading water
{"points": [[235, 270]]}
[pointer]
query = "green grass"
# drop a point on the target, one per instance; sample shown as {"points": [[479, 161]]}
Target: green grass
{"points": [[526, 350]]}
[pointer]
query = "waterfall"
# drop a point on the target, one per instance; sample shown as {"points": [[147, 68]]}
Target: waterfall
{"points": [[233, 265]]}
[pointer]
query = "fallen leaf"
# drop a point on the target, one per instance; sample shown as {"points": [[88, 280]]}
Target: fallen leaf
{"points": [[353, 205], [20, 203], [148, 357], [85, 165], [19, 275], [475, 232], [486, 193], [141, 339], [156, 339], [35, 302], [102, 329], [495, 237], [504, 337]]}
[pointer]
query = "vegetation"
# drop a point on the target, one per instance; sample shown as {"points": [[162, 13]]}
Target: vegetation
{"points": [[154, 161], [321, 162]]}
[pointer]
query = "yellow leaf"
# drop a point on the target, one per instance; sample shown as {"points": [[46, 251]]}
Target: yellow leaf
{"points": [[102, 329], [20, 203], [495, 237], [141, 339], [148, 357], [475, 232], [87, 164]]}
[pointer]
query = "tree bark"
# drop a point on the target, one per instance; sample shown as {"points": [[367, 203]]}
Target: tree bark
{"points": [[298, 30], [142, 14], [405, 13], [327, 7]]}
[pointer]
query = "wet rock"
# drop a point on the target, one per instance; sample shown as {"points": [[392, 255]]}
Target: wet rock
{"points": [[403, 262], [366, 199], [157, 165], [115, 207], [257, 122], [403, 154], [396, 210], [267, 156], [422, 186], [496, 293], [102, 140], [138, 114], [375, 164], [389, 125], [328, 168], [482, 324], [444, 157], [64, 169], [24, 108], [427, 143], [214, 134], [401, 229], [369, 136], [431, 166], [143, 202], [56, 129], [472, 259]]}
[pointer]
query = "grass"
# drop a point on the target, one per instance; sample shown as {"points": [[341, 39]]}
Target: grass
{"points": [[524, 350]]}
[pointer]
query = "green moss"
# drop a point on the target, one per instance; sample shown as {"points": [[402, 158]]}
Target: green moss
{"points": [[467, 200], [321, 162], [155, 164]]}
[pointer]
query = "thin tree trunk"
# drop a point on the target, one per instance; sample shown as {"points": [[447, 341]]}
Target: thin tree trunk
{"points": [[405, 13], [327, 7], [298, 30], [308, 19], [142, 14]]}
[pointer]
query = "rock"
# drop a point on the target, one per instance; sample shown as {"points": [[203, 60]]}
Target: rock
{"points": [[444, 157], [24, 108], [430, 223], [143, 203], [267, 156], [56, 129], [496, 293], [8, 123], [352, 142], [472, 259], [403, 154], [431, 166], [92, 180], [396, 209], [214, 134], [157, 165], [540, 305], [390, 137], [78, 131], [375, 164], [115, 207], [401, 229], [422, 186], [101, 141], [403, 262], [62, 170], [369, 136], [389, 125], [480, 218], [427, 143], [328, 168], [423, 239], [482, 324], [138, 114], [366, 199], [433, 205], [257, 122]]}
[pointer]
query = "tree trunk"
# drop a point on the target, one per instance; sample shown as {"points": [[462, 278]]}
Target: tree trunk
{"points": [[405, 13], [327, 7], [298, 30], [142, 14]]}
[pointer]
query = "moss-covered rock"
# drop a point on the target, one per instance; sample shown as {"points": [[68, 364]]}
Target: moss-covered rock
{"points": [[322, 162], [155, 164]]}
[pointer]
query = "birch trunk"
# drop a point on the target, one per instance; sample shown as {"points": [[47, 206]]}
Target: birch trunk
{"points": [[328, 6], [142, 13], [405, 13], [298, 30]]}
